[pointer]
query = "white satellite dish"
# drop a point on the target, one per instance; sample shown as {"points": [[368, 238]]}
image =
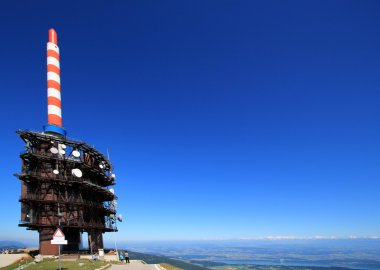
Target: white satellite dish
{"points": [[113, 176], [120, 218], [54, 150], [76, 153], [63, 146], [101, 166], [55, 171], [112, 190], [77, 173], [62, 152]]}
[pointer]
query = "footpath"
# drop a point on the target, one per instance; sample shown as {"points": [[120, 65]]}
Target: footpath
{"points": [[7, 259]]}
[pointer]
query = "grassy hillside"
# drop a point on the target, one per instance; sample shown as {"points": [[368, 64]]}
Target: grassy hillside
{"points": [[154, 259], [49, 264], [170, 267]]}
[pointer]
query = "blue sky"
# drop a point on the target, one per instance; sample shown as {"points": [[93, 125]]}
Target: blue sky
{"points": [[224, 119]]}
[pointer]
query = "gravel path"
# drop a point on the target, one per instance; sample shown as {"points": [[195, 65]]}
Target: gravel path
{"points": [[7, 259]]}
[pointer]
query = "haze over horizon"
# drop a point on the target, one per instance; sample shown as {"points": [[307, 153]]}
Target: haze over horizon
{"points": [[224, 119]]}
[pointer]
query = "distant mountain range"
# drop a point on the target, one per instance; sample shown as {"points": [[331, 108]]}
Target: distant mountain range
{"points": [[11, 244]]}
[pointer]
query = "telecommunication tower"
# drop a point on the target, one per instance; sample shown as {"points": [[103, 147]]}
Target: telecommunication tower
{"points": [[69, 175]]}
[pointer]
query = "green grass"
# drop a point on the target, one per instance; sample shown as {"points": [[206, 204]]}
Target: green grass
{"points": [[170, 267], [51, 264], [155, 259]]}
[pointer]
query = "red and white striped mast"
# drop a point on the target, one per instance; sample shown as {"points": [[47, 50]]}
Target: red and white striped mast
{"points": [[54, 125]]}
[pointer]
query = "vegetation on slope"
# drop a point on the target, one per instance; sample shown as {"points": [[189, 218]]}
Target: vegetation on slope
{"points": [[15, 265], [49, 264], [170, 267], [154, 259]]}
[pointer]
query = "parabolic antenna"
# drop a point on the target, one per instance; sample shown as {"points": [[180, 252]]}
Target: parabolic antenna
{"points": [[120, 218], [62, 152], [76, 153], [55, 171], [54, 150], [63, 146], [101, 166], [113, 176], [112, 190], [77, 173]]}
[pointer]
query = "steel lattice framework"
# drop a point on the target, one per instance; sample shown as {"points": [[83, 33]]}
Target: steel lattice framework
{"points": [[48, 182]]}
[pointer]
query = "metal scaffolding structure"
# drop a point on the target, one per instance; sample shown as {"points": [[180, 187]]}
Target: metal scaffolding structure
{"points": [[58, 172]]}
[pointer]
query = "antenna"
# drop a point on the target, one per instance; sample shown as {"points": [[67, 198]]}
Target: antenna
{"points": [[54, 125], [56, 171], [120, 218], [77, 173], [76, 153]]}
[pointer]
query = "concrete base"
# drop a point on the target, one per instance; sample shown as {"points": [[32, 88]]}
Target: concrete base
{"points": [[95, 240], [46, 248]]}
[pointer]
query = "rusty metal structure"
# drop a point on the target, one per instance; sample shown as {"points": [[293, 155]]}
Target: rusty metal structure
{"points": [[65, 181], [49, 179]]}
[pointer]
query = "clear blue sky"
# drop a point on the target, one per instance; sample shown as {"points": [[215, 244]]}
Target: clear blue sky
{"points": [[224, 119]]}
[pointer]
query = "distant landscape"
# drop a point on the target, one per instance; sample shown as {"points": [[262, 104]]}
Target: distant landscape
{"points": [[204, 265], [322, 254], [293, 254]]}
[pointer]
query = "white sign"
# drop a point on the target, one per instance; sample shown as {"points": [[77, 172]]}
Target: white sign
{"points": [[58, 238], [58, 242], [101, 252]]}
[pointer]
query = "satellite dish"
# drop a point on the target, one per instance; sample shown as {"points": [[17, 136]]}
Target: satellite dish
{"points": [[113, 176], [112, 216], [62, 152], [76, 153], [101, 166], [77, 173], [120, 218], [54, 150], [112, 190], [63, 146], [55, 171]]}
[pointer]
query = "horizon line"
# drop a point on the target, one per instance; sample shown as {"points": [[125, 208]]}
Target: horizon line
{"points": [[264, 238]]}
